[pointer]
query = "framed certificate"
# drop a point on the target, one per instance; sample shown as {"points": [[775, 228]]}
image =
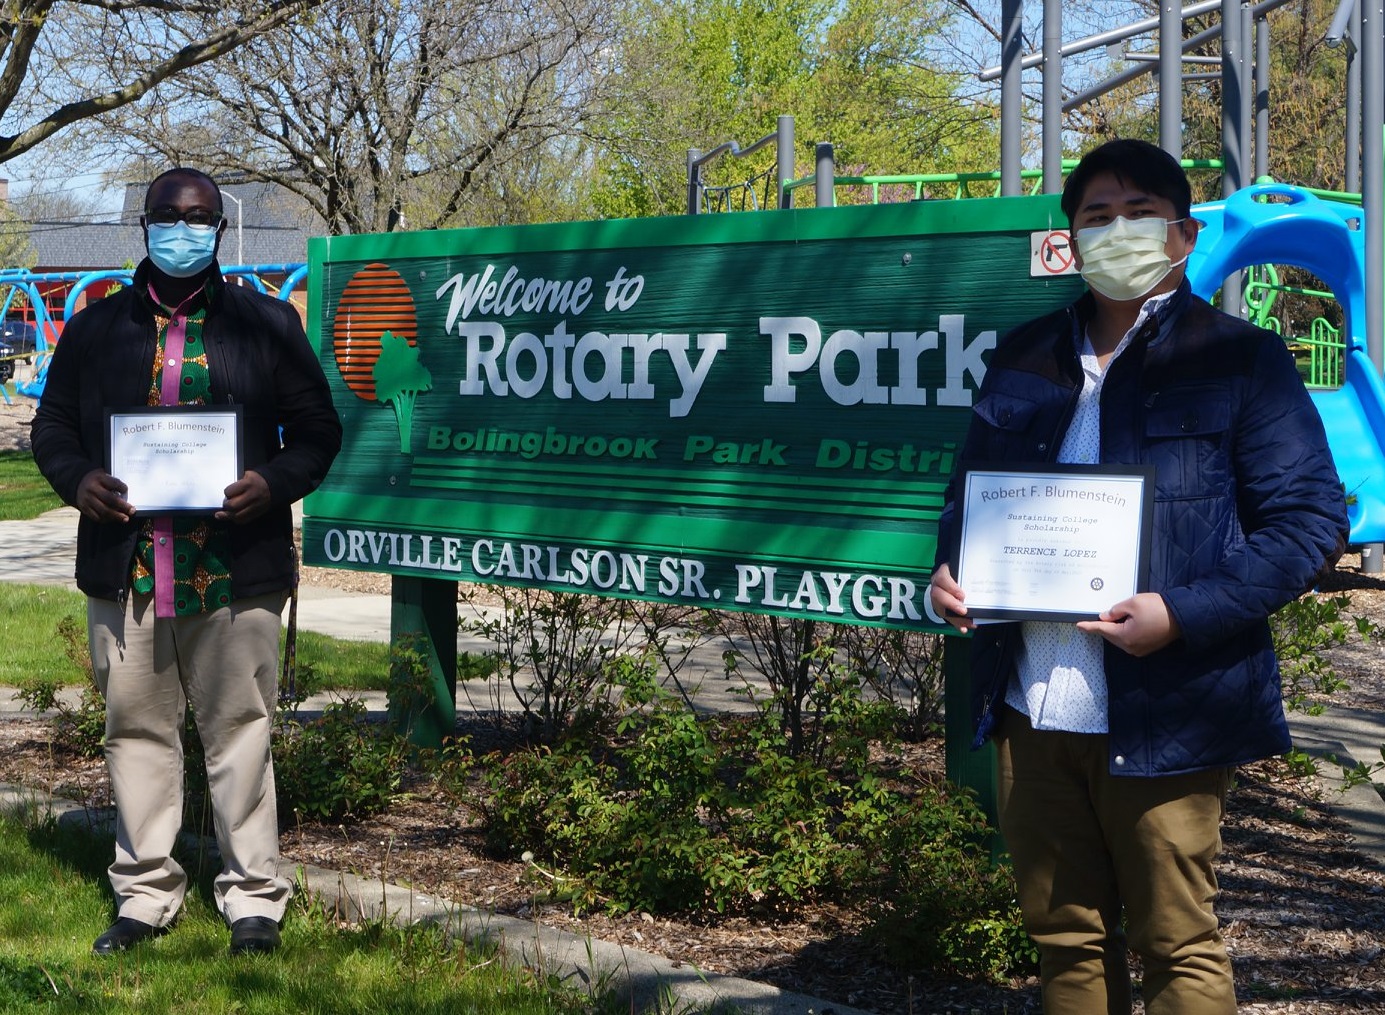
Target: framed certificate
{"points": [[1053, 542], [175, 459]]}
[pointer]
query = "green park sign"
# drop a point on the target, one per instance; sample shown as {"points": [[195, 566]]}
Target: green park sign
{"points": [[754, 411]]}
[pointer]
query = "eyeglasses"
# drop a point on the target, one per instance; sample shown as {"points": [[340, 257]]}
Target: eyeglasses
{"points": [[196, 218]]}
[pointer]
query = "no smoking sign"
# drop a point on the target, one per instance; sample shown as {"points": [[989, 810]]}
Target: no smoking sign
{"points": [[1050, 254]]}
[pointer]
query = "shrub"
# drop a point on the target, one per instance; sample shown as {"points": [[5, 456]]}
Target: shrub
{"points": [[806, 663], [73, 635], [904, 668], [935, 898], [411, 691], [1303, 630], [555, 649], [81, 728], [681, 812], [339, 766], [576, 801]]}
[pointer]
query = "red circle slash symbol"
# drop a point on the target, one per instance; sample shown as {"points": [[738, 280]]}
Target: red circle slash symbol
{"points": [[1057, 253]]}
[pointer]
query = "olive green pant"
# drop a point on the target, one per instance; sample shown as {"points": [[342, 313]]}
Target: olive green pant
{"points": [[226, 664], [1087, 845]]}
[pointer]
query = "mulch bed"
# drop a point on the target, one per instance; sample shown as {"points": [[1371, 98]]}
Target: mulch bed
{"points": [[1304, 915]]}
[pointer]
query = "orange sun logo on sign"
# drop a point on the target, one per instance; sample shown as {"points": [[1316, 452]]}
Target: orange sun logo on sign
{"points": [[375, 301]]}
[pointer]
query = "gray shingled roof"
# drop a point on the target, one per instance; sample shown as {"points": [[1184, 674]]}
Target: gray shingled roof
{"points": [[275, 231], [62, 246]]}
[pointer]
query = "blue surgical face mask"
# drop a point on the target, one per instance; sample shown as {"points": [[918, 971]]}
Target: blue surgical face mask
{"points": [[180, 250]]}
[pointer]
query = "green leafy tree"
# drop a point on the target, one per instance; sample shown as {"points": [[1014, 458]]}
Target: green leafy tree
{"points": [[16, 249], [399, 377], [857, 73]]}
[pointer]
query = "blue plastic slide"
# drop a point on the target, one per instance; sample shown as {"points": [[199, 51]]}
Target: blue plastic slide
{"points": [[1279, 224]]}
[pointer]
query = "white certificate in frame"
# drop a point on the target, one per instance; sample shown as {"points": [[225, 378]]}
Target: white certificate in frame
{"points": [[1053, 542], [175, 459]]}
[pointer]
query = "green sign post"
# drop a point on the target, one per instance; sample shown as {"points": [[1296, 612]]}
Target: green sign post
{"points": [[752, 412]]}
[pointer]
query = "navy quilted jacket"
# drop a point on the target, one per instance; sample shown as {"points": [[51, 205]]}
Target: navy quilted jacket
{"points": [[1248, 510]]}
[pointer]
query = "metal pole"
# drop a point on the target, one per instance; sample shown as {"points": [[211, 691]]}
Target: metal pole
{"points": [[1247, 93], [694, 181], [1116, 80], [785, 159], [1106, 38], [1352, 178], [1232, 129], [825, 180], [240, 235], [1262, 97], [1347, 10], [1372, 44], [1011, 43], [1053, 96], [1171, 78], [1373, 169]]}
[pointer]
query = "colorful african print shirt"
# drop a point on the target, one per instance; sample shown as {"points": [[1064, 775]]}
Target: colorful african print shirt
{"points": [[200, 557]]}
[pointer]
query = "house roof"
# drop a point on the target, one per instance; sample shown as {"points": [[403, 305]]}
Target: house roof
{"points": [[266, 205], [275, 230]]}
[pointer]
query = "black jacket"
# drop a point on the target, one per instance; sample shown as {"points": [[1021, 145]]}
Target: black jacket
{"points": [[258, 357], [1247, 510]]}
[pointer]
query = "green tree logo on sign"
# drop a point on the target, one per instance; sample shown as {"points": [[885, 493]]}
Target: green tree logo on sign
{"points": [[399, 377]]}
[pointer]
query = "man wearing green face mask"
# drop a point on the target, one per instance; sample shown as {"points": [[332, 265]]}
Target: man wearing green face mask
{"points": [[1116, 736], [184, 608]]}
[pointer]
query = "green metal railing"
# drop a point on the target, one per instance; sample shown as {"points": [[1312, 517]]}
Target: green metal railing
{"points": [[961, 184], [1324, 346], [1342, 196], [1327, 354]]}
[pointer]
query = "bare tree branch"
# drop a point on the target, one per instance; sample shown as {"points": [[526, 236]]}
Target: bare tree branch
{"points": [[381, 114], [25, 23]]}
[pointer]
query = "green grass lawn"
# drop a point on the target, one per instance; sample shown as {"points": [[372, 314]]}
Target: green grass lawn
{"points": [[33, 648], [54, 902], [341, 665], [24, 493]]}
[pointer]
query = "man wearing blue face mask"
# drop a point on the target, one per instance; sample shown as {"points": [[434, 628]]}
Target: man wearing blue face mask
{"points": [[184, 609], [1116, 737]]}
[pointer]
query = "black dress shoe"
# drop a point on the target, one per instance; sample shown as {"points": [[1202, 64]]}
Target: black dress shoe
{"points": [[122, 934], [254, 934]]}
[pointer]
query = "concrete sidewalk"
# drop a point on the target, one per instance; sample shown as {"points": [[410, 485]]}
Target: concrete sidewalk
{"points": [[43, 550]]}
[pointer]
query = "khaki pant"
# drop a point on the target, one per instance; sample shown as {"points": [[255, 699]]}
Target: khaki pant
{"points": [[226, 664], [1086, 844]]}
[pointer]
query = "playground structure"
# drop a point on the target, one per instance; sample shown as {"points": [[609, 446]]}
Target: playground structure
{"points": [[32, 290], [1277, 224], [1248, 235]]}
